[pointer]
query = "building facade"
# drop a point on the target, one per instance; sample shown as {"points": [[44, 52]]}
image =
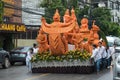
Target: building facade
{"points": [[113, 5], [31, 17], [17, 16], [12, 24], [31, 7], [10, 14]]}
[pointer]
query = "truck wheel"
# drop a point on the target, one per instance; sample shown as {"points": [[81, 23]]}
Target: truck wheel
{"points": [[6, 63]]}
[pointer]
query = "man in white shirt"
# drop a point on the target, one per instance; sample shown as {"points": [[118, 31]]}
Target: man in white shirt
{"points": [[35, 48], [97, 57], [102, 51]]}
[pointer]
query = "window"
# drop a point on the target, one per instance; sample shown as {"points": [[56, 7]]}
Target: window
{"points": [[29, 34]]}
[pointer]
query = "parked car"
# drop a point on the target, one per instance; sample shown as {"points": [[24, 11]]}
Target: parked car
{"points": [[4, 58], [114, 40], [116, 69], [19, 54]]}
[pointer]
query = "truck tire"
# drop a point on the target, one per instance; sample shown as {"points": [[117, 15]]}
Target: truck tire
{"points": [[6, 63]]}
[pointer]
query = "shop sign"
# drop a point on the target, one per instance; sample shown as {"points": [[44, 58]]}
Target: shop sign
{"points": [[12, 27]]}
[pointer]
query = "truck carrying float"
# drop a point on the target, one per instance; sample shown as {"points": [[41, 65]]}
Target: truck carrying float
{"points": [[65, 47]]}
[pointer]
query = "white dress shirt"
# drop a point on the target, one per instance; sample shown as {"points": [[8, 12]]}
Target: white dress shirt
{"points": [[95, 54], [102, 51], [35, 50]]}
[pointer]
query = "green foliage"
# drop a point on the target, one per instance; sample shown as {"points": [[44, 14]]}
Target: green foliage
{"points": [[103, 36], [84, 12], [51, 5], [103, 20], [69, 56], [1, 11], [101, 15]]}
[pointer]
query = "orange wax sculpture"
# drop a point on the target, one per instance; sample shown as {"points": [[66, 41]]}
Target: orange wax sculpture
{"points": [[95, 30], [55, 30], [61, 33], [42, 40]]}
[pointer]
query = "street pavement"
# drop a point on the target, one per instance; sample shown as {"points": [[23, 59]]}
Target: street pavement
{"points": [[20, 72]]}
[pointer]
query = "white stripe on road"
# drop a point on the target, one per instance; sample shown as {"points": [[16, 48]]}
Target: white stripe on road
{"points": [[35, 77]]}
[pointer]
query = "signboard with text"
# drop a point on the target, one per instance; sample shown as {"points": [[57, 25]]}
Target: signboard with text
{"points": [[13, 27]]}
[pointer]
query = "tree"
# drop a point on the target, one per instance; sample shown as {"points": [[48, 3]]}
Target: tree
{"points": [[1, 11], [101, 15], [103, 20], [51, 5]]}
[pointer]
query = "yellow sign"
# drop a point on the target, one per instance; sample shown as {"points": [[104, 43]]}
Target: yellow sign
{"points": [[7, 11], [13, 27]]}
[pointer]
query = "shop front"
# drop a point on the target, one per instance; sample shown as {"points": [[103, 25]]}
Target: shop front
{"points": [[8, 35]]}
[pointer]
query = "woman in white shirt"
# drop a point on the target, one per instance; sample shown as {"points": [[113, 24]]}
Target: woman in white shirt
{"points": [[28, 58], [97, 57]]}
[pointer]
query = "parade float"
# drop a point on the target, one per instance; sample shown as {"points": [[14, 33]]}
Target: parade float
{"points": [[65, 47]]}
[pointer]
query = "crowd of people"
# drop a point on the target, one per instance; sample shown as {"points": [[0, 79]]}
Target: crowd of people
{"points": [[102, 56]]}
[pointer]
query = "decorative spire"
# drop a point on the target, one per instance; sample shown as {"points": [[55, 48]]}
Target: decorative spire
{"points": [[72, 11], [67, 12], [93, 22], [56, 15], [73, 14]]}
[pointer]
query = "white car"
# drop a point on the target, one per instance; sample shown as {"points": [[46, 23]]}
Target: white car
{"points": [[114, 40], [116, 69]]}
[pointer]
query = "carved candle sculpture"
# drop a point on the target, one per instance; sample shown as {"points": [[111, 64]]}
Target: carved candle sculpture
{"points": [[42, 40], [84, 28], [60, 34], [95, 30], [77, 39], [55, 30]]}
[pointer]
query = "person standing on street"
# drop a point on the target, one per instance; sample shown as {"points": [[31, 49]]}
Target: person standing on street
{"points": [[102, 51], [97, 58], [112, 49], [28, 59], [109, 57]]}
